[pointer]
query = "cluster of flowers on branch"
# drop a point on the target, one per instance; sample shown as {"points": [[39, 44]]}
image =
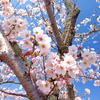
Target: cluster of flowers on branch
{"points": [[51, 71], [7, 10]]}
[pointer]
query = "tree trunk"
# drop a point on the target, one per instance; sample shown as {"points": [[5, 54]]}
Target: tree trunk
{"points": [[8, 56]]}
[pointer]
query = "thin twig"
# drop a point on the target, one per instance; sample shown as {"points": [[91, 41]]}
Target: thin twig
{"points": [[44, 66], [14, 94], [97, 17], [54, 48], [31, 75], [41, 11], [9, 82], [51, 90]]}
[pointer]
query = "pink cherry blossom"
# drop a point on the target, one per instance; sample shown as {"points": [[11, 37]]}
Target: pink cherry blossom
{"points": [[44, 86], [57, 6], [34, 1], [37, 31], [29, 6], [78, 98], [41, 23], [53, 56], [87, 91], [61, 68], [63, 95], [8, 23], [85, 63], [24, 1], [52, 70], [92, 57], [86, 54], [19, 27], [10, 11], [73, 71], [61, 83], [44, 48], [25, 34], [48, 29], [79, 47], [5, 3], [7, 30], [50, 73], [33, 59], [91, 72], [50, 64], [83, 80], [14, 20], [33, 71], [74, 55], [22, 12], [42, 38], [98, 1], [14, 34], [72, 49], [97, 74], [26, 44], [69, 60], [97, 83]]}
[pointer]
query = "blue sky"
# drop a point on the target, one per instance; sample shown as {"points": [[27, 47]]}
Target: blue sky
{"points": [[87, 8]]}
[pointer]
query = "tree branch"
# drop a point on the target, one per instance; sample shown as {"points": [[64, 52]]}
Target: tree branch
{"points": [[53, 22], [68, 5], [9, 82], [69, 30], [91, 31], [18, 51], [14, 94], [8, 56], [82, 36]]}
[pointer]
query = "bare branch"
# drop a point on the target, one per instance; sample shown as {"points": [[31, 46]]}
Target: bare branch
{"points": [[88, 77], [82, 36], [91, 31], [10, 82], [69, 30], [53, 22]]}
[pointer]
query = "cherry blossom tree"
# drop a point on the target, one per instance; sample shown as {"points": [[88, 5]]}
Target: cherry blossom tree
{"points": [[42, 59]]}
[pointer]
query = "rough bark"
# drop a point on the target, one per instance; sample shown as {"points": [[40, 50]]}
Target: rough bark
{"points": [[69, 32], [8, 56], [53, 23]]}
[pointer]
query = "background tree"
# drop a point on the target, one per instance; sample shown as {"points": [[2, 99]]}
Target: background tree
{"points": [[42, 73]]}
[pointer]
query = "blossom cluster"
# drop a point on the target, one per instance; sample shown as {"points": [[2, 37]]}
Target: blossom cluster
{"points": [[88, 59], [43, 40], [57, 69], [7, 10], [85, 21], [12, 27], [16, 27], [52, 70]]}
